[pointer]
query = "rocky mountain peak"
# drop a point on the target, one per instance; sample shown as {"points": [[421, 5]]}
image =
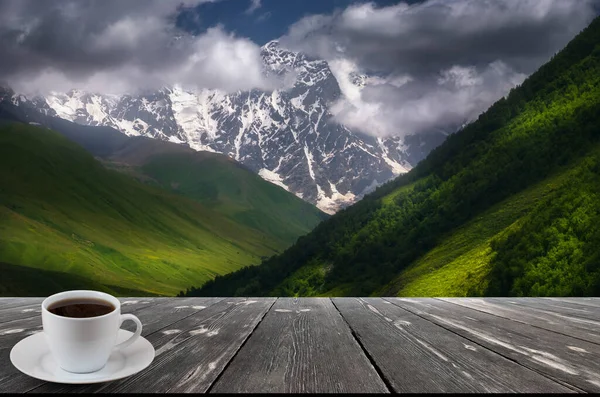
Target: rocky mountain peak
{"points": [[287, 136]]}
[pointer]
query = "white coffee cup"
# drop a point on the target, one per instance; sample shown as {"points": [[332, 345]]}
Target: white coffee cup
{"points": [[83, 345]]}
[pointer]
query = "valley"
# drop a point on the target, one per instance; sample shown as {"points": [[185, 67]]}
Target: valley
{"points": [[62, 211]]}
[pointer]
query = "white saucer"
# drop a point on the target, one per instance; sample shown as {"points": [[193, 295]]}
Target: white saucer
{"points": [[32, 357]]}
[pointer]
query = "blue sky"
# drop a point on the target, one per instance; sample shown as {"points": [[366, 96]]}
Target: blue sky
{"points": [[267, 22]]}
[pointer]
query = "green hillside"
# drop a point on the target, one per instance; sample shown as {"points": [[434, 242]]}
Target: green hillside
{"points": [[215, 180], [222, 185], [509, 205], [65, 214]]}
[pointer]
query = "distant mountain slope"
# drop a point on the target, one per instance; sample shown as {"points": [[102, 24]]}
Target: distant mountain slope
{"points": [[518, 189], [220, 183], [215, 180], [62, 211]]}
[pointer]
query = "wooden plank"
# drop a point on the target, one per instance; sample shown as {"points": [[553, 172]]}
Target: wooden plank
{"points": [[13, 309], [572, 361], [301, 346], [8, 303], [169, 311], [154, 314], [190, 353], [418, 356], [588, 330], [571, 312], [594, 302], [20, 312]]}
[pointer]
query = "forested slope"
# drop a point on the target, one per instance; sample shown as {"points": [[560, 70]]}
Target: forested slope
{"points": [[544, 133]]}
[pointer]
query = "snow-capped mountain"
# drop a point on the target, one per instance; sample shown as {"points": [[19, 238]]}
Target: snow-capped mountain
{"points": [[287, 136]]}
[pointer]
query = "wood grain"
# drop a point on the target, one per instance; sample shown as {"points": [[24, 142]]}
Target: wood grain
{"points": [[593, 302], [9, 303], [560, 310], [418, 356], [169, 311], [13, 309], [571, 361], [301, 346], [527, 313]]}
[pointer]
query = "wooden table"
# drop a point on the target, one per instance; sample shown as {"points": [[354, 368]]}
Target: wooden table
{"points": [[344, 345]]}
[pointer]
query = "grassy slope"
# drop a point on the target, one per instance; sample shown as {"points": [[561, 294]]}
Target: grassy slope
{"points": [[228, 188], [60, 210], [460, 264], [23, 280], [214, 179]]}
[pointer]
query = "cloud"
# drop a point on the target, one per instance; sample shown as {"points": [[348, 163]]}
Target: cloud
{"points": [[115, 46], [400, 105], [436, 63], [254, 5]]}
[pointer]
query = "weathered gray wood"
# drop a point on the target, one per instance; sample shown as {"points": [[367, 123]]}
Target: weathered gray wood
{"points": [[9, 303], [561, 311], [594, 302], [154, 314], [215, 348], [572, 361], [169, 311], [418, 356], [20, 312], [190, 353], [580, 328], [13, 309], [301, 346]]}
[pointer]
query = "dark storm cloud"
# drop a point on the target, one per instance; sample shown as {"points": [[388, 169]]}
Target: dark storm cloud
{"points": [[122, 44], [438, 62], [429, 36]]}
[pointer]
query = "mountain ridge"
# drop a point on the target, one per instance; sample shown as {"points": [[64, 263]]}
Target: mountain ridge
{"points": [[288, 137]]}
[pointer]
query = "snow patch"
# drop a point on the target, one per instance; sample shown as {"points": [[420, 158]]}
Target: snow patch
{"points": [[309, 160], [272, 177], [331, 204]]}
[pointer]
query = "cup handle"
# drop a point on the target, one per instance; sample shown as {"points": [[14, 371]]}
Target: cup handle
{"points": [[138, 331]]}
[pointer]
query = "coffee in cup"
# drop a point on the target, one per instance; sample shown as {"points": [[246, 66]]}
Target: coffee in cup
{"points": [[81, 329]]}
